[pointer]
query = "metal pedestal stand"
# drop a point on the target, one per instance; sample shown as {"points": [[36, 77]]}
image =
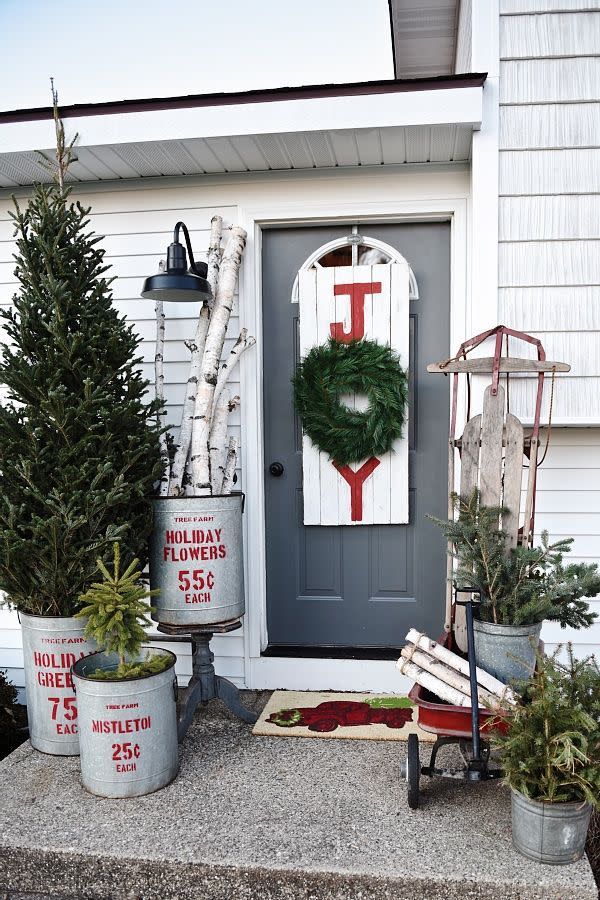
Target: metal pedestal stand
{"points": [[205, 685]]}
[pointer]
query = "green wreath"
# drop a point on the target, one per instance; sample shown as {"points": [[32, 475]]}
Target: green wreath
{"points": [[361, 367]]}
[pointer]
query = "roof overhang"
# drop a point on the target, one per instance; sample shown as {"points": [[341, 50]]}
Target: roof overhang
{"points": [[392, 122]]}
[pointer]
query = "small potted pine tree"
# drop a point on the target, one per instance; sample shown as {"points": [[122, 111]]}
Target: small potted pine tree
{"points": [[78, 444], [520, 587], [127, 693], [550, 752]]}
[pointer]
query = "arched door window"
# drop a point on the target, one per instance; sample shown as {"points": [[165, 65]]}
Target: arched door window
{"points": [[356, 250]]}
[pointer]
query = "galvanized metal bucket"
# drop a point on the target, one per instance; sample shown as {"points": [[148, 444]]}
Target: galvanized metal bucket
{"points": [[506, 651], [552, 833], [127, 728], [196, 559], [50, 647]]}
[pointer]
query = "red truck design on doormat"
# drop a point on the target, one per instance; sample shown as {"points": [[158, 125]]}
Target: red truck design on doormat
{"points": [[393, 712]]}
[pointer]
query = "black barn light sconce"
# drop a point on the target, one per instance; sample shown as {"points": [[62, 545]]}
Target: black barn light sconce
{"points": [[177, 282]]}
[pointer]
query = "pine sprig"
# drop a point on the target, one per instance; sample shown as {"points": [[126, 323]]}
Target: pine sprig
{"points": [[116, 611], [551, 748], [520, 585], [363, 367]]}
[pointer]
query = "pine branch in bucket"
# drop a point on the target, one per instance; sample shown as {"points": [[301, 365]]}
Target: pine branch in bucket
{"points": [[204, 461]]}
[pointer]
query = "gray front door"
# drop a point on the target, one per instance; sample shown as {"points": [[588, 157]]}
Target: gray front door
{"points": [[355, 586]]}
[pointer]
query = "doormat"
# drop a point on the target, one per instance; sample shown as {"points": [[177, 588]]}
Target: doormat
{"points": [[328, 714]]}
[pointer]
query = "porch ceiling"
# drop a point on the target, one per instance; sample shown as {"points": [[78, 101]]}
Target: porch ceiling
{"points": [[384, 123]]}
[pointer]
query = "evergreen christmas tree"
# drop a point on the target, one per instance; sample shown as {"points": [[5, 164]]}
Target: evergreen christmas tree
{"points": [[78, 440]]}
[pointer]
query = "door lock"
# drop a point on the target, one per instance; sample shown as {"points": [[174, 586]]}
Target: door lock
{"points": [[276, 469]]}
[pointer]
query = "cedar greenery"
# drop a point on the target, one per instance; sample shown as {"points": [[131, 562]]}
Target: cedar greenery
{"points": [[78, 447], [361, 367], [551, 748], [521, 585], [116, 612]]}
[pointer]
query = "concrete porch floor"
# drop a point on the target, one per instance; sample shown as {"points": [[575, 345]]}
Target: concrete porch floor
{"points": [[271, 818]]}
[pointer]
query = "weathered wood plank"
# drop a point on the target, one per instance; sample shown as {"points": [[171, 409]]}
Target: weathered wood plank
{"points": [[485, 364], [490, 460], [469, 457], [513, 473]]}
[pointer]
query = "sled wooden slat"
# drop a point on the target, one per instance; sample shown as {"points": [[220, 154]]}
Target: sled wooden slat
{"points": [[513, 471], [483, 365], [469, 458], [490, 476]]}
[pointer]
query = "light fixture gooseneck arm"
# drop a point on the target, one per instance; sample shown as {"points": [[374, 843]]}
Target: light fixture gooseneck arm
{"points": [[183, 227]]}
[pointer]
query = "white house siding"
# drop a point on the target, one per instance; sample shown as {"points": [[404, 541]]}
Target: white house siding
{"points": [[549, 253], [137, 221]]}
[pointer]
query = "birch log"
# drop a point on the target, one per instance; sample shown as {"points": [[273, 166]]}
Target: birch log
{"points": [[461, 665], [449, 676], [433, 684], [218, 439], [230, 464], [219, 319], [214, 255], [196, 348], [242, 343], [159, 381]]}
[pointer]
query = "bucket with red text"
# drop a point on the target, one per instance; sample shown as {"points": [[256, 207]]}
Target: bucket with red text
{"points": [[196, 560], [50, 647], [127, 727]]}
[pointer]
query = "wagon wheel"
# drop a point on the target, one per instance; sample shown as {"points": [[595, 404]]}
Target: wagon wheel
{"points": [[413, 771]]}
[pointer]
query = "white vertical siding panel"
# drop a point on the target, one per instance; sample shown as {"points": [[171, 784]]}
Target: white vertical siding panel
{"points": [[549, 80], [549, 263], [552, 218], [549, 172], [549, 185], [552, 126], [559, 34], [512, 7], [558, 308], [576, 400], [568, 503]]}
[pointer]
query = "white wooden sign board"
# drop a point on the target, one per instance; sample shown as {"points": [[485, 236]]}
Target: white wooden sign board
{"points": [[333, 301]]}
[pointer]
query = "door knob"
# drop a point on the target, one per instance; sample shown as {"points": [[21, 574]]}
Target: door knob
{"points": [[276, 469]]}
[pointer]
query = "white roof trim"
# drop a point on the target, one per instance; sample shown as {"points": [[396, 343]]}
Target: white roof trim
{"points": [[433, 107]]}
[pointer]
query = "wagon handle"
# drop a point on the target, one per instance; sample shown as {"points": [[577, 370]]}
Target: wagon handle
{"points": [[477, 765]]}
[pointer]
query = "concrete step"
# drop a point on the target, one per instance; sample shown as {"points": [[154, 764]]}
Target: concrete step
{"points": [[270, 818]]}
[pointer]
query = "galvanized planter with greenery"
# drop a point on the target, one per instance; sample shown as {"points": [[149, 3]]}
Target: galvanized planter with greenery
{"points": [[78, 452], [127, 693], [520, 588], [550, 754]]}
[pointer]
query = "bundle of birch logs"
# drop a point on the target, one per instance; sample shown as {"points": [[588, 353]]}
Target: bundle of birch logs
{"points": [[446, 674], [205, 458]]}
